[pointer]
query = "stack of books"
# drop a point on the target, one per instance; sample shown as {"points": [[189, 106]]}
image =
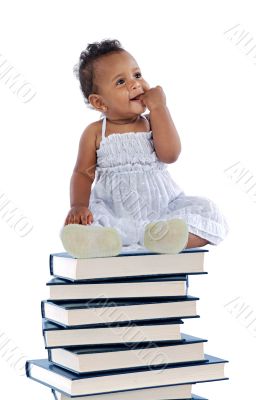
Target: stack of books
{"points": [[112, 328]]}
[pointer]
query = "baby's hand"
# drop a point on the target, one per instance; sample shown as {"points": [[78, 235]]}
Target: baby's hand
{"points": [[79, 215], [153, 98]]}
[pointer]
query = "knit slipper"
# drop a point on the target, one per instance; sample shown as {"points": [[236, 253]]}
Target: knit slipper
{"points": [[168, 236], [84, 241]]}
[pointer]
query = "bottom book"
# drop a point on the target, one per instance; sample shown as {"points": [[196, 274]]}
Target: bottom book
{"points": [[175, 392], [71, 384]]}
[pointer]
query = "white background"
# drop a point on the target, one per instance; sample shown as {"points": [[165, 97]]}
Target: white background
{"points": [[210, 84]]}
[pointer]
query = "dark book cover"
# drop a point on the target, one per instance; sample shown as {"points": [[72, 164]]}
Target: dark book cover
{"points": [[194, 397], [47, 365], [130, 279], [104, 348], [51, 326], [103, 302], [138, 253], [117, 348]]}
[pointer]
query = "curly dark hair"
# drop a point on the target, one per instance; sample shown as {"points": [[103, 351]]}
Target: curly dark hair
{"points": [[84, 69]]}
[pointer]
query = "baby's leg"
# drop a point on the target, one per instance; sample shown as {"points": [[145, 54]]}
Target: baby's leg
{"points": [[205, 224], [85, 241], [196, 241]]}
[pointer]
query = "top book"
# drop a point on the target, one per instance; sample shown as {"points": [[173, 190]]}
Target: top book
{"points": [[173, 392], [189, 261]]}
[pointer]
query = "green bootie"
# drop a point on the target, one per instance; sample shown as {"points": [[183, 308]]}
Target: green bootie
{"points": [[168, 236], [85, 241]]}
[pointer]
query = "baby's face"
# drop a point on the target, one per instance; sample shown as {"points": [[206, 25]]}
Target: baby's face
{"points": [[119, 80]]}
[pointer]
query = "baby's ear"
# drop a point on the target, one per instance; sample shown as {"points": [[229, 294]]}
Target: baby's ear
{"points": [[97, 102]]}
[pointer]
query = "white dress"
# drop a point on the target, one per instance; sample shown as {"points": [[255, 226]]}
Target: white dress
{"points": [[132, 187]]}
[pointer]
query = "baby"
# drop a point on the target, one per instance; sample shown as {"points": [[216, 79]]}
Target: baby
{"points": [[121, 191]]}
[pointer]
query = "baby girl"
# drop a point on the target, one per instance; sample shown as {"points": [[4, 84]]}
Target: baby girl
{"points": [[121, 191]]}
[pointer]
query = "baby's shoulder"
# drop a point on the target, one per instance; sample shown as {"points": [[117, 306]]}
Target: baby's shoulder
{"points": [[91, 131], [92, 128], [91, 135]]}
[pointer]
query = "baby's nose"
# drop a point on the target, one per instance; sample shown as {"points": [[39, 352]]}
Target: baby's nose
{"points": [[133, 84]]}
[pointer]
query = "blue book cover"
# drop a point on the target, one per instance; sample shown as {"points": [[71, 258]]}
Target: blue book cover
{"points": [[51, 326], [142, 287], [68, 314], [121, 356], [103, 302], [130, 264], [118, 396], [105, 348], [131, 279], [195, 397], [72, 384], [162, 330]]}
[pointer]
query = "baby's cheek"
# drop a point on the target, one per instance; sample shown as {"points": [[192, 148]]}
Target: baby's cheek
{"points": [[146, 86]]}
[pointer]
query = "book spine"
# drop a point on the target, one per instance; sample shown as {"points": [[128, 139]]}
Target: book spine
{"points": [[45, 343], [27, 369], [187, 284], [54, 395], [51, 264], [42, 309], [49, 355], [43, 329]]}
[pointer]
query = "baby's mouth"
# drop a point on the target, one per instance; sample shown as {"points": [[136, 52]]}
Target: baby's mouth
{"points": [[136, 98]]}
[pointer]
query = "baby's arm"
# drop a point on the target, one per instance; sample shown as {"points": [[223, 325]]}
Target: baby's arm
{"points": [[165, 136], [82, 179]]}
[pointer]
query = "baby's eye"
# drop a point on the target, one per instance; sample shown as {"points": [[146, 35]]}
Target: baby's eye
{"points": [[138, 75], [120, 81]]}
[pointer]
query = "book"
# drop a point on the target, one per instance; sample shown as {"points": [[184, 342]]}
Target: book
{"points": [[59, 396], [173, 392], [124, 356], [189, 261], [161, 286], [167, 329], [71, 384], [100, 311]]}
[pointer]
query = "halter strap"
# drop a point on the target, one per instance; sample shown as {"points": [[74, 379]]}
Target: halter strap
{"points": [[104, 123], [103, 128]]}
